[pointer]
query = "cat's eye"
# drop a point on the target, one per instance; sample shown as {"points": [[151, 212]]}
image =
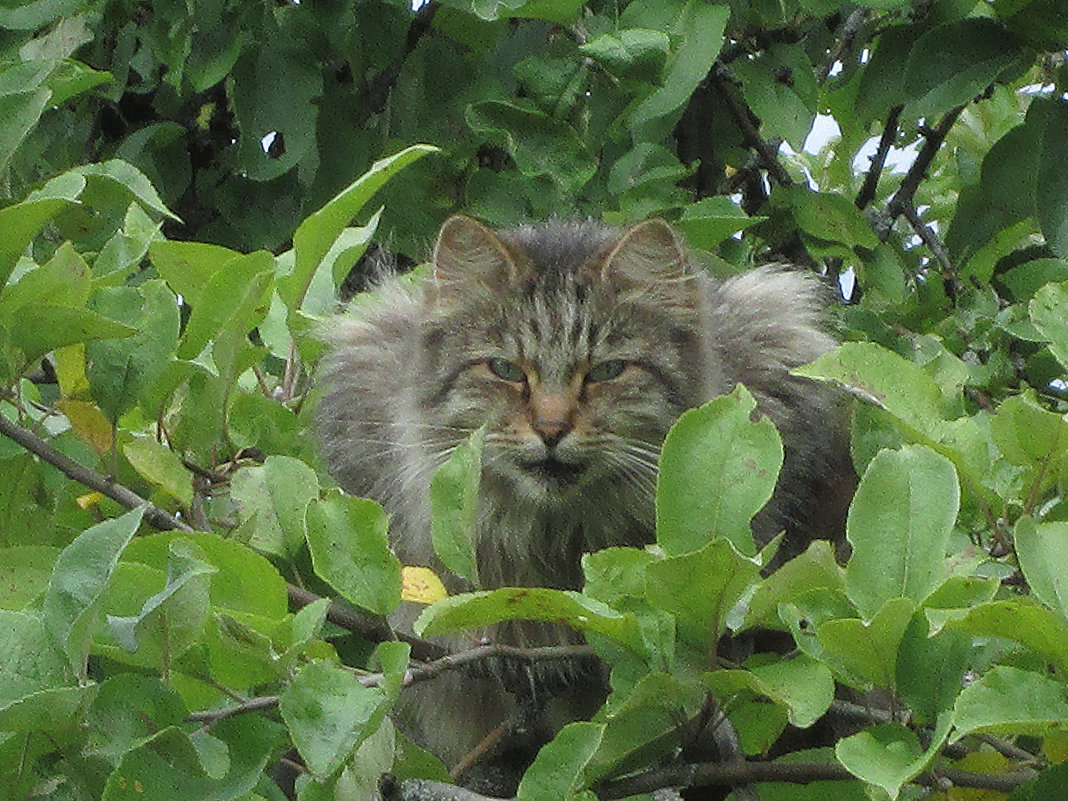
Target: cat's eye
{"points": [[506, 370], [606, 371]]}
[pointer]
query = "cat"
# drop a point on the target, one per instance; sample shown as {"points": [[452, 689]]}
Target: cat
{"points": [[577, 345]]}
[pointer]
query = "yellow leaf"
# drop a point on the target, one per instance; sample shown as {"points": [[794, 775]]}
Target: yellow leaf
{"points": [[88, 423], [70, 371], [422, 585], [89, 499], [1055, 747]]}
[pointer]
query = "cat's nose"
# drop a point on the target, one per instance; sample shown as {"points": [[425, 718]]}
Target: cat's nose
{"points": [[552, 431]]}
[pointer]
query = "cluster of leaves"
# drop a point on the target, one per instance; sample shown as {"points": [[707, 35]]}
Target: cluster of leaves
{"points": [[152, 357]]}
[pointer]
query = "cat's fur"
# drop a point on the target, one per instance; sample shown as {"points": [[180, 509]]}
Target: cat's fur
{"points": [[571, 447]]}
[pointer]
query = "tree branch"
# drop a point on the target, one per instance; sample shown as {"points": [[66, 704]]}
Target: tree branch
{"points": [[934, 244], [741, 773], [743, 116], [878, 161], [933, 139], [125, 497], [372, 627], [846, 39], [375, 93]]}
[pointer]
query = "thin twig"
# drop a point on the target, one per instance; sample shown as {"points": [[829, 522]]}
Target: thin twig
{"points": [[878, 161], [258, 704], [743, 116], [933, 139], [371, 627], [924, 231], [418, 673], [375, 92], [846, 39]]}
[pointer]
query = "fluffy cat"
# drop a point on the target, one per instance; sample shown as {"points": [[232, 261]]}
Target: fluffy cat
{"points": [[578, 345]]}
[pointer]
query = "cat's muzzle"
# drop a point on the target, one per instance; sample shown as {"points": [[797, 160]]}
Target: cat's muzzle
{"points": [[555, 472]]}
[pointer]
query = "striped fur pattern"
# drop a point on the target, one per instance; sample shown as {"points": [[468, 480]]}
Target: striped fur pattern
{"points": [[578, 346]]}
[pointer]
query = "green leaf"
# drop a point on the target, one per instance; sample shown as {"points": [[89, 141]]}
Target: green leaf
{"points": [[19, 113], [882, 377], [1048, 310], [129, 708], [931, 669], [615, 573], [477, 609], [1026, 434], [802, 685], [1051, 192], [63, 280], [701, 588], [287, 108], [1004, 199], [702, 29], [562, 11], [245, 581], [1025, 280], [708, 222], [126, 176], [329, 712], [717, 469], [785, 111], [30, 658], [889, 755], [864, 653], [644, 724], [882, 84], [637, 53], [81, 575], [832, 217], [557, 770], [39, 328], [23, 221], [24, 574], [899, 525], [815, 569], [188, 267], [168, 765], [234, 300], [1021, 620], [120, 371], [272, 500], [321, 230], [51, 709], [1007, 699], [183, 571], [951, 64], [160, 465], [541, 145], [454, 501], [350, 549], [1042, 550]]}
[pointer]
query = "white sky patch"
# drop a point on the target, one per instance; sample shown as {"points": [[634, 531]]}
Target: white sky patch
{"points": [[847, 283]]}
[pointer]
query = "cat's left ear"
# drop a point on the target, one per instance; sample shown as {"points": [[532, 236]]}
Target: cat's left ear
{"points": [[469, 254], [648, 252]]}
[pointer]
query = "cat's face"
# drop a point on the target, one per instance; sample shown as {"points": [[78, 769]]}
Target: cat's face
{"points": [[575, 345]]}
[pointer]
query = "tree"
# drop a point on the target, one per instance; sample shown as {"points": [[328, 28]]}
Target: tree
{"points": [[188, 185]]}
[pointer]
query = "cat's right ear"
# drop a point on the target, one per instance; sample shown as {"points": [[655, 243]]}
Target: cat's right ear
{"points": [[468, 255]]}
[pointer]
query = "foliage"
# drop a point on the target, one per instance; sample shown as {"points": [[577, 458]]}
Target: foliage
{"points": [[179, 209]]}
